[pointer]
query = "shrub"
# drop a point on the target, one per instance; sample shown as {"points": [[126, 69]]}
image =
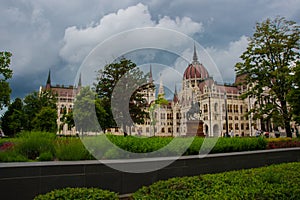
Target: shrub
{"points": [[71, 149], [32, 144], [12, 156], [272, 182], [45, 156], [78, 193]]}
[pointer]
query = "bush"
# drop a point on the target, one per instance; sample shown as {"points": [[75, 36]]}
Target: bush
{"points": [[33, 144], [45, 156], [12, 156], [71, 149], [273, 182], [78, 193]]}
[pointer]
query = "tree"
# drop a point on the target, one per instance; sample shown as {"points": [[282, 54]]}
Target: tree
{"points": [[121, 83], [67, 118], [33, 104], [294, 95], [13, 118], [272, 50], [45, 120], [5, 74], [88, 111]]}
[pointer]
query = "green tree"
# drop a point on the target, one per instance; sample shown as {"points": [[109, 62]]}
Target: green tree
{"points": [[13, 118], [67, 118], [45, 120], [272, 50], [5, 74], [88, 111], [33, 104], [122, 83], [294, 95]]}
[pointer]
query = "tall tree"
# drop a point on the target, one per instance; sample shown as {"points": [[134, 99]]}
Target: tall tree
{"points": [[121, 83], [67, 118], [294, 96], [272, 50], [88, 111], [5, 74], [33, 104], [13, 118], [45, 120]]}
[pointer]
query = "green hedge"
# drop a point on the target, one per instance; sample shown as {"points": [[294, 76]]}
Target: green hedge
{"points": [[272, 182], [78, 193], [40, 146]]}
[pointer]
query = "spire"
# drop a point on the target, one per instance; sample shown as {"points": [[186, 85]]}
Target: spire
{"points": [[49, 78], [150, 75], [161, 90], [195, 57], [48, 84], [79, 81], [175, 98]]}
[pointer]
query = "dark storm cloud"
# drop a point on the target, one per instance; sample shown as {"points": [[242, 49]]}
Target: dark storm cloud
{"points": [[34, 30]]}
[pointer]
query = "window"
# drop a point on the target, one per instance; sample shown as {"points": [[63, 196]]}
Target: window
{"points": [[236, 108], [216, 107], [236, 118], [229, 108], [205, 108], [241, 109], [236, 126]]}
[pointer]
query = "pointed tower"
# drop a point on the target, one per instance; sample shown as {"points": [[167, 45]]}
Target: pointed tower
{"points": [[150, 75], [195, 57], [161, 90], [79, 81], [79, 84], [175, 97], [48, 84]]}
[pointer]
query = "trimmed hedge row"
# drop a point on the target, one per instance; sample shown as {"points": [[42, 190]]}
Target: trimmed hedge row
{"points": [[273, 182], [78, 193]]}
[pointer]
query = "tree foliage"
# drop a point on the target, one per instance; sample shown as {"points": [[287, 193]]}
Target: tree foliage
{"points": [[87, 111], [33, 106], [121, 84], [5, 74], [13, 118], [294, 96], [272, 50], [67, 118], [45, 120]]}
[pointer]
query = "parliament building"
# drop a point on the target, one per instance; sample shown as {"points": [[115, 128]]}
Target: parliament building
{"points": [[221, 109]]}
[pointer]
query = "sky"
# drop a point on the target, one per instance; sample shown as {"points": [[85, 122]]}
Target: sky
{"points": [[61, 36]]}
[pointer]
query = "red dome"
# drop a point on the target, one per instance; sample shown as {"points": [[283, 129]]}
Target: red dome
{"points": [[196, 70]]}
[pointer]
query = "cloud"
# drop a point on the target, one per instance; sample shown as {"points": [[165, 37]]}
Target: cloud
{"points": [[226, 58], [78, 42]]}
